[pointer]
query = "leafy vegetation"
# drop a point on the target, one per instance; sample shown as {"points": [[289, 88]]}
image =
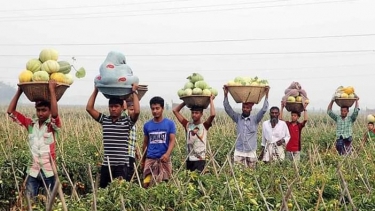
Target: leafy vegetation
{"points": [[321, 181]]}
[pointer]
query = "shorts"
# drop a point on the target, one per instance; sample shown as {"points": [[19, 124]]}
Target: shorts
{"points": [[195, 165]]}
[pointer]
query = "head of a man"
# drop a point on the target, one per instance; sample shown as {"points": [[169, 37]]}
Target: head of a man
{"points": [[130, 107], [196, 113], [370, 126], [43, 110], [115, 106], [344, 111], [157, 106], [295, 116], [274, 115], [246, 109]]}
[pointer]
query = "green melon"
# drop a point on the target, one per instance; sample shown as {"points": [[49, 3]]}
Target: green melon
{"points": [[65, 67], [33, 65]]}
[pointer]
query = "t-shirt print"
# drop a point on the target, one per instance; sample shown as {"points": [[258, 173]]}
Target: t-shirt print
{"points": [[158, 137]]}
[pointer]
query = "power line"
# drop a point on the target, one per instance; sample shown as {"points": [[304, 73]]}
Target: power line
{"points": [[224, 80], [105, 15], [138, 3], [216, 54], [190, 41], [92, 6], [5, 68]]}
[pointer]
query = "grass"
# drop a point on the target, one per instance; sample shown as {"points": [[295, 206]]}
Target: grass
{"points": [[321, 181]]}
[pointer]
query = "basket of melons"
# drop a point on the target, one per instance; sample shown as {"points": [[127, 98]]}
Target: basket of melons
{"points": [[196, 92], [345, 96], [34, 79], [247, 89]]}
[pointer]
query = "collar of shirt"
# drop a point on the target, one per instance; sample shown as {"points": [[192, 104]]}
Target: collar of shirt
{"points": [[245, 118], [35, 120]]}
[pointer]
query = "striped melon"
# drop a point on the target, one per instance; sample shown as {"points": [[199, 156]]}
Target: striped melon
{"points": [[65, 67]]}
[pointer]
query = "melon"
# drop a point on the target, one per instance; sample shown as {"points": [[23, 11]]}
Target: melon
{"points": [[50, 66], [69, 79], [48, 54], [65, 67], [25, 76], [58, 77], [40, 76], [33, 65], [291, 99], [370, 118]]}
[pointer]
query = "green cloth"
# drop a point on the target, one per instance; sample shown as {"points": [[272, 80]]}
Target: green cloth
{"points": [[344, 125]]}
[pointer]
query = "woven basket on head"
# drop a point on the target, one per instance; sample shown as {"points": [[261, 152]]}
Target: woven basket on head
{"points": [[196, 101], [247, 94], [38, 91], [123, 92], [142, 89], [294, 106], [342, 102]]}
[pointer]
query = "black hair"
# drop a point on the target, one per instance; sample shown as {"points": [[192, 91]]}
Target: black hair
{"points": [[370, 123], [275, 108], [157, 100], [347, 107], [296, 112], [196, 108], [115, 100], [43, 103], [129, 103]]}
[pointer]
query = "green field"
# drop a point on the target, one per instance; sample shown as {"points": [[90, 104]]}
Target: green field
{"points": [[321, 181]]}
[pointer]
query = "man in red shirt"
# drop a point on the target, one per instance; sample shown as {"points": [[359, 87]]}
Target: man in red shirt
{"points": [[293, 147]]}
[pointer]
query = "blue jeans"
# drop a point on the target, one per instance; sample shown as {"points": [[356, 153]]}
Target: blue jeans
{"points": [[33, 184], [344, 145]]}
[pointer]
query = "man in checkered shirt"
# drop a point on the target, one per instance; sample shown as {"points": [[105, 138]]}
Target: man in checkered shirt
{"points": [[344, 124]]}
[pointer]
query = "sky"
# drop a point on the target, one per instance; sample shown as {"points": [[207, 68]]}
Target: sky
{"points": [[322, 44]]}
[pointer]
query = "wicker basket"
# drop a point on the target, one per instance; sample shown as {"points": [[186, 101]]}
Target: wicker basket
{"points": [[121, 92], [294, 106], [247, 94], [142, 89], [342, 102], [37, 91], [196, 100]]}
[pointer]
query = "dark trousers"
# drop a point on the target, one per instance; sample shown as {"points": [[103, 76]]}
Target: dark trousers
{"points": [[33, 184], [195, 165], [344, 145], [119, 172], [130, 170]]}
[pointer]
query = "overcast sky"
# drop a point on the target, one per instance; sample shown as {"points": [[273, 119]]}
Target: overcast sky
{"points": [[320, 43]]}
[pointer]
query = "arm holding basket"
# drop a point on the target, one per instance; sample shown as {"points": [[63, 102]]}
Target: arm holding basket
{"points": [[134, 116], [13, 104], [90, 105], [228, 109], [210, 119], [262, 111], [179, 116], [54, 108]]}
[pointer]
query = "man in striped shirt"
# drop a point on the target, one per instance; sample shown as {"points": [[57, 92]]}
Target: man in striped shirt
{"points": [[116, 130]]}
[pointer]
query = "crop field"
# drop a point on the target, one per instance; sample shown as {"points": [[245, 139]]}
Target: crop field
{"points": [[322, 180]]}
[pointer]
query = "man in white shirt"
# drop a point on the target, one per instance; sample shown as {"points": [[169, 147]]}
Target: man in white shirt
{"points": [[275, 135]]}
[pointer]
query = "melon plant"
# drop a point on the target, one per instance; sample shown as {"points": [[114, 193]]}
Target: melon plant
{"points": [[50, 66], [33, 65], [48, 54]]}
